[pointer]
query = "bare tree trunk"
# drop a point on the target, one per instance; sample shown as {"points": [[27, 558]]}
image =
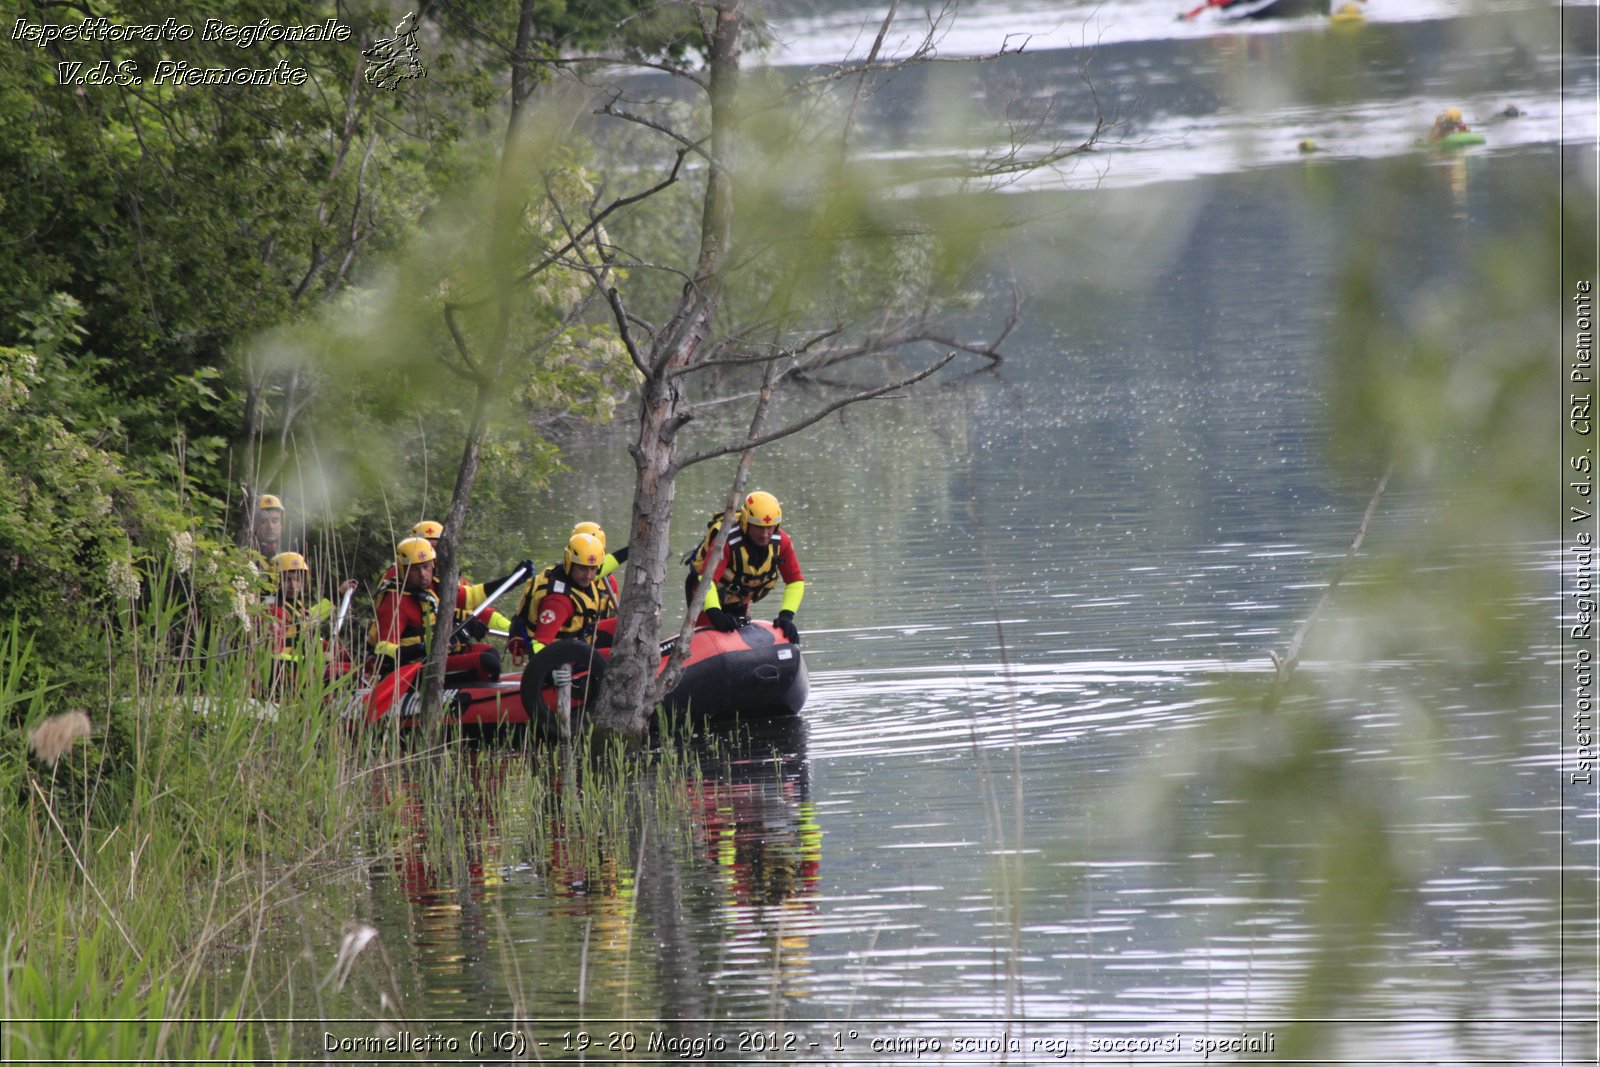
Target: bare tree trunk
{"points": [[449, 566], [507, 209], [626, 702]]}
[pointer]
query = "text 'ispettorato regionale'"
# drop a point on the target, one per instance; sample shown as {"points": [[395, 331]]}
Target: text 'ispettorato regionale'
{"points": [[176, 71]]}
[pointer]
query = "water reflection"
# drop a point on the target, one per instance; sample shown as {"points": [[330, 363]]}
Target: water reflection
{"points": [[509, 888], [763, 843]]}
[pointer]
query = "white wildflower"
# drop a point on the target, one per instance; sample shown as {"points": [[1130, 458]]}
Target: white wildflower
{"points": [[183, 551], [241, 599], [121, 579]]}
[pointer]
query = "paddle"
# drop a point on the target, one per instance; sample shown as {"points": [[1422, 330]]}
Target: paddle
{"points": [[402, 678], [343, 613]]}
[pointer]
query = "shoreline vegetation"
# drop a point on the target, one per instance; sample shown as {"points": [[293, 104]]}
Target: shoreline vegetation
{"points": [[150, 850]]}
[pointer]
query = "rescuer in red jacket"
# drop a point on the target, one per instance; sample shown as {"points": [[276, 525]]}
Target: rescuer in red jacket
{"points": [[569, 600], [756, 556], [405, 613]]}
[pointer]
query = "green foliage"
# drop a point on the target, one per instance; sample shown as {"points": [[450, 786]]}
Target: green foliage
{"points": [[1447, 378], [402, 356], [81, 526], [181, 219]]}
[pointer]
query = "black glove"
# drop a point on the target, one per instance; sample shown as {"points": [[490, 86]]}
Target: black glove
{"points": [[475, 628], [412, 653], [785, 623], [721, 620], [621, 554]]}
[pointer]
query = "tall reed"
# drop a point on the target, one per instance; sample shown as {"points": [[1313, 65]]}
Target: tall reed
{"points": [[155, 843]]}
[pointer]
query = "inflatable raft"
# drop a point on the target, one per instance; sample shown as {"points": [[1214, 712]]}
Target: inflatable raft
{"points": [[1235, 10], [753, 672]]}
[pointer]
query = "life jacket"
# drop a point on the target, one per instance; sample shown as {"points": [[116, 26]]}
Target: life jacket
{"points": [[430, 611], [590, 603], [744, 581], [462, 613], [294, 617]]}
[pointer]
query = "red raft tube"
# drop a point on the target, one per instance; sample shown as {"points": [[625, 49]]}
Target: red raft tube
{"points": [[753, 672]]}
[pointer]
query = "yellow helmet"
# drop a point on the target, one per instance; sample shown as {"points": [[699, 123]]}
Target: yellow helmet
{"points": [[268, 502], [429, 529], [289, 561], [590, 528], [583, 550], [414, 550], [760, 509], [1451, 114]]}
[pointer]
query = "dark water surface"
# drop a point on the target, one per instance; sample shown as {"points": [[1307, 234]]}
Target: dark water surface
{"points": [[1031, 798]]}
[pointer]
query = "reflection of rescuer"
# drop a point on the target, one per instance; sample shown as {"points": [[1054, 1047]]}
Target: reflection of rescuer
{"points": [[756, 556], [569, 600], [406, 611], [293, 622]]}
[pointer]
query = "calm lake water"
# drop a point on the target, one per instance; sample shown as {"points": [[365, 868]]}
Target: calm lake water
{"points": [[1031, 812]]}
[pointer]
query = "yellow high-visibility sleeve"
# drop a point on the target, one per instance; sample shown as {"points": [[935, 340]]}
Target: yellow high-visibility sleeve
{"points": [[712, 599], [608, 565], [793, 593]]}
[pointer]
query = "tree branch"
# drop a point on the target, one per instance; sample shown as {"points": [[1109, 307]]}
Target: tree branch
{"points": [[796, 427], [1285, 665]]}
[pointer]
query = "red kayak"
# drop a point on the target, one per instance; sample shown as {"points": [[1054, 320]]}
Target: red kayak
{"points": [[755, 670]]}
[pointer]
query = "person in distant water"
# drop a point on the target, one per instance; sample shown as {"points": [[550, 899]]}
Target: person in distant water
{"points": [[406, 609], [292, 621], [756, 556], [1448, 122], [568, 600]]}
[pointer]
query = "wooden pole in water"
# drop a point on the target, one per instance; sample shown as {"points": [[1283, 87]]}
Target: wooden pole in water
{"points": [[562, 676]]}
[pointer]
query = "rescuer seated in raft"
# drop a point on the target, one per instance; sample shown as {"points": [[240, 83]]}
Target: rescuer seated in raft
{"points": [[292, 623], [1448, 122], [470, 596], [406, 610], [608, 565], [756, 556], [568, 600]]}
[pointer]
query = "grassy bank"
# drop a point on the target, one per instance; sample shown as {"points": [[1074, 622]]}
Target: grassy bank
{"points": [[162, 844], [148, 831]]}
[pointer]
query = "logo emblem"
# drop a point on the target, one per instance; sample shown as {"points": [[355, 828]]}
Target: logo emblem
{"points": [[392, 60]]}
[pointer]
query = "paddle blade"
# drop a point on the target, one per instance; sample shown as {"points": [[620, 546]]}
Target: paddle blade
{"points": [[390, 688]]}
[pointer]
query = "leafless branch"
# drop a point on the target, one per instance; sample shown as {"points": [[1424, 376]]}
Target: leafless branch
{"points": [[463, 349], [623, 318], [815, 417], [609, 108], [1285, 665], [575, 63]]}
